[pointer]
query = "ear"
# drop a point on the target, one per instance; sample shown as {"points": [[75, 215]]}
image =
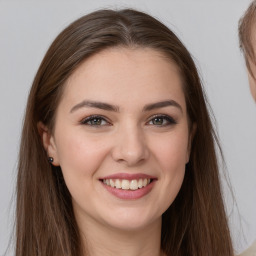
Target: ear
{"points": [[48, 142], [190, 140]]}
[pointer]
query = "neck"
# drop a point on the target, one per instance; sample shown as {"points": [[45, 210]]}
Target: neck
{"points": [[100, 240]]}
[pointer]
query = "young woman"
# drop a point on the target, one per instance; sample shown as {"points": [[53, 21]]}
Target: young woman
{"points": [[118, 151]]}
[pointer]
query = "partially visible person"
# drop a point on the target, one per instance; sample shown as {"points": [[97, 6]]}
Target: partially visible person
{"points": [[251, 251], [247, 40]]}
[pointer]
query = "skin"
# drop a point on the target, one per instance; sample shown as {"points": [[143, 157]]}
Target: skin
{"points": [[128, 140], [252, 82], [252, 79]]}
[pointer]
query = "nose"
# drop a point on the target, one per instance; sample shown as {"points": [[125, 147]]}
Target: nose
{"points": [[130, 146]]}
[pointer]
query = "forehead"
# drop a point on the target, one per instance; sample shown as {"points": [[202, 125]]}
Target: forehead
{"points": [[117, 73]]}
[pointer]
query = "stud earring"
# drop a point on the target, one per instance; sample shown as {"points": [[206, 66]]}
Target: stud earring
{"points": [[50, 160]]}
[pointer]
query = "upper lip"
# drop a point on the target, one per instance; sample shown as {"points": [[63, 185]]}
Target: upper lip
{"points": [[128, 176]]}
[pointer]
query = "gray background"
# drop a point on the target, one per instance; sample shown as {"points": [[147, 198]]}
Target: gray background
{"points": [[208, 29]]}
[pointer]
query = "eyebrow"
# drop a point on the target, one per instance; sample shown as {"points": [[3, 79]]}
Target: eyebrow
{"points": [[109, 107], [95, 104], [163, 104]]}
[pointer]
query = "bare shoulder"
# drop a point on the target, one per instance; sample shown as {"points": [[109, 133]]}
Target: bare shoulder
{"points": [[251, 251]]}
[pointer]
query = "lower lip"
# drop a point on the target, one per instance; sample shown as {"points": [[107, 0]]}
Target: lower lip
{"points": [[130, 194]]}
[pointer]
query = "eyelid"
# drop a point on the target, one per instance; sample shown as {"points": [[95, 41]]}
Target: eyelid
{"points": [[91, 117], [170, 120]]}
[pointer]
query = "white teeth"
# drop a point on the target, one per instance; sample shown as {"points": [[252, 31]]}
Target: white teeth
{"points": [[118, 184], [112, 183], [133, 184], [140, 183], [126, 184], [145, 182]]}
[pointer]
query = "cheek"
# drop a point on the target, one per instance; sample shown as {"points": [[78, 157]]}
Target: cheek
{"points": [[252, 83], [171, 152], [171, 156], [173, 162], [79, 155], [80, 158]]}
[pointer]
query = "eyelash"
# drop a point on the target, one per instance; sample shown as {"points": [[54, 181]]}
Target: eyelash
{"points": [[168, 120], [165, 118], [92, 118]]}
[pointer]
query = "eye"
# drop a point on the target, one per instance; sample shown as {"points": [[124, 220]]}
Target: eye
{"points": [[95, 121], [161, 120]]}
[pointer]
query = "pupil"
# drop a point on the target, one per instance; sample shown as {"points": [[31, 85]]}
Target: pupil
{"points": [[96, 121], [158, 121]]}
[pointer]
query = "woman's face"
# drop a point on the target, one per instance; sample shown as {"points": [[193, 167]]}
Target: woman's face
{"points": [[252, 80], [121, 138]]}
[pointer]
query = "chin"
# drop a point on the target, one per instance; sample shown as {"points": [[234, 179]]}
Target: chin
{"points": [[132, 220]]}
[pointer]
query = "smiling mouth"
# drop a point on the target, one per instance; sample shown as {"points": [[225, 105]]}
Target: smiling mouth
{"points": [[125, 184]]}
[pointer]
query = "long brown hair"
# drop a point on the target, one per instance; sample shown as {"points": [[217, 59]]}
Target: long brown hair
{"points": [[195, 223]]}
